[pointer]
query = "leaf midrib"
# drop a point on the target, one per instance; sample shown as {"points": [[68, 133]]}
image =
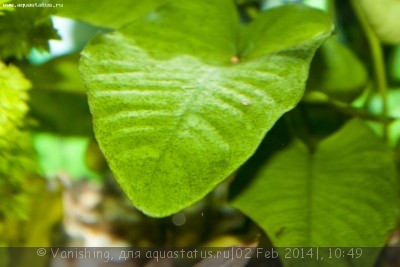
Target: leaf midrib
{"points": [[186, 110], [310, 199]]}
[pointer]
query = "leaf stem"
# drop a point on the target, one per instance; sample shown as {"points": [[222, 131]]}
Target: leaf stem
{"points": [[350, 110], [378, 61]]}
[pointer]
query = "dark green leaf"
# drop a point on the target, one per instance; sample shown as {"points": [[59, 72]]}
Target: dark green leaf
{"points": [[60, 112], [339, 196], [13, 97]]}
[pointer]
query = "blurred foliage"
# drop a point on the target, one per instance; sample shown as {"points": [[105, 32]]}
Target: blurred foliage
{"points": [[337, 72], [383, 16], [3, 7], [58, 74], [44, 202], [58, 155], [94, 158], [118, 13], [56, 88], [13, 98], [17, 158], [375, 107], [394, 67], [53, 113], [21, 29]]}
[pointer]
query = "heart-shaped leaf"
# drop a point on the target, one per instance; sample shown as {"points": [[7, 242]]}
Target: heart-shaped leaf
{"points": [[339, 196], [181, 98]]}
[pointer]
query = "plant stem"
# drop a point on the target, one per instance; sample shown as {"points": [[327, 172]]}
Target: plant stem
{"points": [[350, 110], [378, 61]]}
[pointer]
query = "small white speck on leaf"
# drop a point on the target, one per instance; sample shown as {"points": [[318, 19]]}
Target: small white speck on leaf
{"points": [[153, 16], [245, 102]]}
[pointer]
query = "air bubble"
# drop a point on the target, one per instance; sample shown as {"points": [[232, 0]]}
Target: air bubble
{"points": [[179, 219], [245, 102]]}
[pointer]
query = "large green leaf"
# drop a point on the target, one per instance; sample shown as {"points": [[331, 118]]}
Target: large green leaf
{"points": [[344, 194], [180, 98], [105, 14]]}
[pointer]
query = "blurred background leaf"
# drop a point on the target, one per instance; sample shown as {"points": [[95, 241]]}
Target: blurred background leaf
{"points": [[58, 74], [63, 155], [5, 7], [394, 64], [106, 14], [383, 16], [393, 103], [60, 112], [16, 158], [157, 88], [58, 101], [336, 72], [21, 29]]}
